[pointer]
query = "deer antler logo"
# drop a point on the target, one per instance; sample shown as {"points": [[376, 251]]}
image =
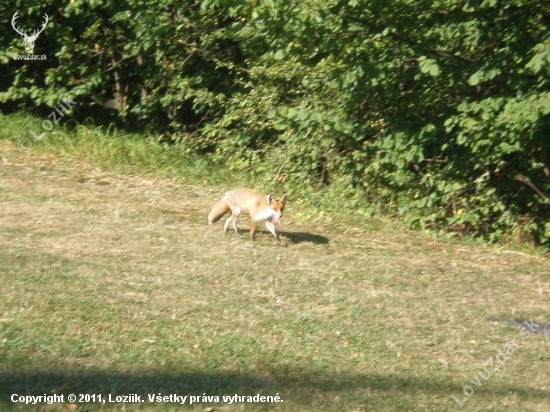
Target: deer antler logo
{"points": [[29, 39]]}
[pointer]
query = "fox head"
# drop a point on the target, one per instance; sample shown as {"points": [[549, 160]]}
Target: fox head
{"points": [[278, 207]]}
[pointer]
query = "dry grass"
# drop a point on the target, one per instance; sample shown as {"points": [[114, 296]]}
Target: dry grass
{"points": [[115, 284]]}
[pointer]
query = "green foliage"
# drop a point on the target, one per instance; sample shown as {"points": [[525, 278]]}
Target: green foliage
{"points": [[437, 112]]}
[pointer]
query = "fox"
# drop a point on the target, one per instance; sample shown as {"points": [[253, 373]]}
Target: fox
{"points": [[256, 205]]}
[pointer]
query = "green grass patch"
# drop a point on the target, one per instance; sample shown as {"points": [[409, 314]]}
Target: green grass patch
{"points": [[111, 149]]}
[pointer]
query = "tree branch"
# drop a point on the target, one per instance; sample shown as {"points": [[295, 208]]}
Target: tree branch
{"points": [[526, 181]]}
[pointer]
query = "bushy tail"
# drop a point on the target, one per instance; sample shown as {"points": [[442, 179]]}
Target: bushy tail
{"points": [[218, 210]]}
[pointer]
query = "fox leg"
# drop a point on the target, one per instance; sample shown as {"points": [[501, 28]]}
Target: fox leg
{"points": [[227, 223], [235, 219], [271, 227], [252, 228]]}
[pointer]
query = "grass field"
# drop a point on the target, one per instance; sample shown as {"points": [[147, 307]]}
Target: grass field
{"points": [[114, 284]]}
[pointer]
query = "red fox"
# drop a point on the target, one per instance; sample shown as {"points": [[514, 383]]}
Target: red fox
{"points": [[253, 203]]}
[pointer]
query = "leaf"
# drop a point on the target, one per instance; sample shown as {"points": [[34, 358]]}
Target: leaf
{"points": [[429, 66], [291, 113], [339, 126], [280, 54], [474, 79], [541, 57]]}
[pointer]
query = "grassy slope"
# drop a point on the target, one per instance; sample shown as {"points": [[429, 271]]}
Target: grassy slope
{"points": [[113, 283]]}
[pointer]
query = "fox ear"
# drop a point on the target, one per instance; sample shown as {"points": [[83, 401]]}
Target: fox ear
{"points": [[269, 198], [283, 199]]}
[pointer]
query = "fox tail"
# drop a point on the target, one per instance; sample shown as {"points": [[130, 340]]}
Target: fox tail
{"points": [[218, 210]]}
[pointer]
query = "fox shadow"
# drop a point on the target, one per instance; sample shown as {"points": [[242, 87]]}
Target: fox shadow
{"points": [[293, 237], [301, 237]]}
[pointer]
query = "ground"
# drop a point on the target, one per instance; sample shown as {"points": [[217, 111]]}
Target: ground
{"points": [[114, 284]]}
